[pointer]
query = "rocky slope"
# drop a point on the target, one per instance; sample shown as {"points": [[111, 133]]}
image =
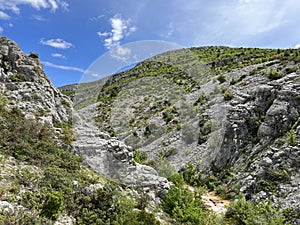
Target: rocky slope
{"points": [[220, 108], [109, 156]]}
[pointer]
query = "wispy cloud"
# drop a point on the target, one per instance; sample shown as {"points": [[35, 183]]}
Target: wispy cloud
{"points": [[76, 69], [96, 18], [120, 28], [57, 43], [1, 30], [39, 17], [72, 68], [14, 5], [58, 55], [170, 31], [103, 34], [4, 16]]}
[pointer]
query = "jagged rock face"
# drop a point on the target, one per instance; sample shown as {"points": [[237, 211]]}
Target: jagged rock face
{"points": [[265, 112], [258, 122], [25, 85]]}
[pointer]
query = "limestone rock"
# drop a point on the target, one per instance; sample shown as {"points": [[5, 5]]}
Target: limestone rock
{"points": [[25, 84]]}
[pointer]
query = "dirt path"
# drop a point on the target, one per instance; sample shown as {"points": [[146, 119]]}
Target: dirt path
{"points": [[215, 203]]}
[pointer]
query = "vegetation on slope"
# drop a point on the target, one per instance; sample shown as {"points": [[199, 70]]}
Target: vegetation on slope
{"points": [[194, 67], [189, 68], [187, 207], [43, 181]]}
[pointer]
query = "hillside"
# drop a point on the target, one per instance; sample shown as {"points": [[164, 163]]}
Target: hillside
{"points": [[171, 141], [232, 113]]}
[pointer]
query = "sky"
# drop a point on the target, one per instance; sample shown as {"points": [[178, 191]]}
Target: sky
{"points": [[70, 35]]}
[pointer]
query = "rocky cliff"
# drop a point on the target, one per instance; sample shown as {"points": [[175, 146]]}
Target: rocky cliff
{"points": [[26, 86]]}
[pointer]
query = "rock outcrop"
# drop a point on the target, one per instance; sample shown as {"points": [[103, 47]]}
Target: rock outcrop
{"points": [[24, 83], [110, 157]]}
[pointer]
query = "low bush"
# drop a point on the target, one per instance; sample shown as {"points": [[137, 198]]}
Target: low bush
{"points": [[291, 138], [244, 212], [18, 77], [227, 95], [221, 79], [274, 75], [139, 156], [53, 205]]}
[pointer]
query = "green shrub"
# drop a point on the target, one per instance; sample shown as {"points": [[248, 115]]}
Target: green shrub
{"points": [[70, 93], [18, 77], [109, 206], [53, 205], [187, 207], [67, 135], [177, 179], [266, 185], [201, 99], [291, 70], [227, 95], [33, 55], [234, 81], [221, 79], [167, 117], [139, 156], [21, 217], [277, 175], [274, 75], [291, 138], [245, 212], [190, 174], [65, 102], [164, 168]]}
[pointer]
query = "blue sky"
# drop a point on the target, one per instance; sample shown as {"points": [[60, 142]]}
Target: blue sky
{"points": [[70, 35]]}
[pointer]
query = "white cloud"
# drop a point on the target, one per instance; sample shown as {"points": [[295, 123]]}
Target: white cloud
{"points": [[4, 16], [58, 55], [57, 43], [53, 5], [297, 46], [1, 30], [14, 5], [49, 64], [120, 29]]}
